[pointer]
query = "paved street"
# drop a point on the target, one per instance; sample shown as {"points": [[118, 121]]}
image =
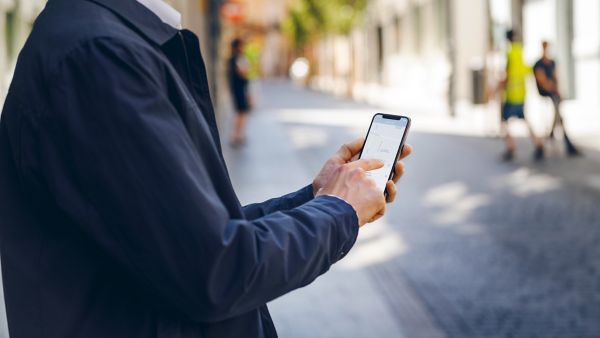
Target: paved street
{"points": [[472, 247]]}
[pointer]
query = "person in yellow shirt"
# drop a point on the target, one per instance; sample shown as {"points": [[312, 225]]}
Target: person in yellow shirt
{"points": [[513, 87]]}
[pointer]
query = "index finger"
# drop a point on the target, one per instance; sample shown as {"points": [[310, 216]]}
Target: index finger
{"points": [[349, 150], [366, 164]]}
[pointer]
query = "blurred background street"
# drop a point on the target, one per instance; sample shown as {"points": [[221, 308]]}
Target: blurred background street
{"points": [[473, 246]]}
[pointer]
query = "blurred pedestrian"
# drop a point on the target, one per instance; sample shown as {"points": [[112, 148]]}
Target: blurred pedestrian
{"points": [[513, 87], [547, 84], [238, 69]]}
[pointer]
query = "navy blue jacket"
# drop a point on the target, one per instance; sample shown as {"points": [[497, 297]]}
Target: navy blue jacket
{"points": [[117, 215]]}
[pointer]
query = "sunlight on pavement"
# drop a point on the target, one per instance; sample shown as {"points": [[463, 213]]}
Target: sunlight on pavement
{"points": [[594, 181], [456, 204], [443, 194], [328, 117], [524, 182], [307, 137], [377, 243], [356, 119]]}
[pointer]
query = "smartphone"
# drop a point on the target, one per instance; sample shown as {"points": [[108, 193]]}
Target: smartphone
{"points": [[384, 142]]}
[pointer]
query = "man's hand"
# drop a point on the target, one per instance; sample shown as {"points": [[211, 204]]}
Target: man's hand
{"points": [[348, 153], [350, 183]]}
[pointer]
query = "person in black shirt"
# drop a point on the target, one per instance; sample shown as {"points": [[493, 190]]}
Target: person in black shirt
{"points": [[237, 68], [547, 83]]}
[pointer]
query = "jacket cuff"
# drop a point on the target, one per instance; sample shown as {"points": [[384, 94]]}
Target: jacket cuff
{"points": [[307, 193], [345, 220]]}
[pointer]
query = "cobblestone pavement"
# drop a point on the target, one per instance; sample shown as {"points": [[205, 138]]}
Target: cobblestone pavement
{"points": [[472, 247]]}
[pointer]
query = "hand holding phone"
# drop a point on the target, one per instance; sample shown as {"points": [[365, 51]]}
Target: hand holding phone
{"points": [[353, 181], [385, 138]]}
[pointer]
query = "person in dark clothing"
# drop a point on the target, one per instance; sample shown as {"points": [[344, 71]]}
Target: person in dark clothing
{"points": [[547, 84], [117, 215], [238, 68]]}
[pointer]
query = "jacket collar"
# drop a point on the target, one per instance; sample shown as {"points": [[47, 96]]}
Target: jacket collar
{"points": [[141, 18], [164, 11]]}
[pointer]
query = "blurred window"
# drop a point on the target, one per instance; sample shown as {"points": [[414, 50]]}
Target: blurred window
{"points": [[500, 13], [380, 54], [398, 33], [441, 10], [418, 28]]}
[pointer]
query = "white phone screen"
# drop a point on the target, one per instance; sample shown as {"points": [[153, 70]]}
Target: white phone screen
{"points": [[383, 142]]}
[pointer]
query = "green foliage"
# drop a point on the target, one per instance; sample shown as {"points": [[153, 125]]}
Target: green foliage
{"points": [[296, 27], [309, 19], [348, 14]]}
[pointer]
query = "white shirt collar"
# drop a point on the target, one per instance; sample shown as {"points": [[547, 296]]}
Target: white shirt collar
{"points": [[166, 13]]}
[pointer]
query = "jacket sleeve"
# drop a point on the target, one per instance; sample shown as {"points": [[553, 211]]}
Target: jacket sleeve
{"points": [[283, 203], [117, 159]]}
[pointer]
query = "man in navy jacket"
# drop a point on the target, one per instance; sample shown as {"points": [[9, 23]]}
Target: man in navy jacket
{"points": [[117, 215]]}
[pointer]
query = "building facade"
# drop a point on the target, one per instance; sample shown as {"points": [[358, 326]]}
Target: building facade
{"points": [[421, 51], [424, 53]]}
